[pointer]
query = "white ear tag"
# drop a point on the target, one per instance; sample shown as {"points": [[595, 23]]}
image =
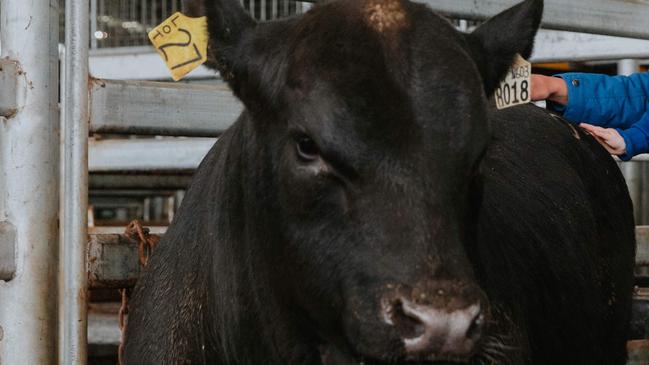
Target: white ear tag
{"points": [[515, 89]]}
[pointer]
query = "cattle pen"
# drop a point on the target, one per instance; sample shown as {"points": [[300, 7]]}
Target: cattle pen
{"points": [[92, 137]]}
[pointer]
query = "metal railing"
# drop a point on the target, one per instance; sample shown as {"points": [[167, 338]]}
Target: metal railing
{"points": [[126, 23]]}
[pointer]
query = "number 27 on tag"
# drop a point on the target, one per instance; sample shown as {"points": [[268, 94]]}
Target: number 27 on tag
{"points": [[515, 88], [181, 41]]}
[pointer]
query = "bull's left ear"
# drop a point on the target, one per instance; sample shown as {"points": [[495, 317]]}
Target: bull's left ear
{"points": [[227, 24], [495, 43]]}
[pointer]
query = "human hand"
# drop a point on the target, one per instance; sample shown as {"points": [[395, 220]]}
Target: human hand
{"points": [[609, 138], [550, 88]]}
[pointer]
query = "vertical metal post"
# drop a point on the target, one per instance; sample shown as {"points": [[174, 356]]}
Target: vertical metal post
{"points": [[262, 15], [29, 162], [93, 24], [74, 178], [632, 171], [143, 18]]}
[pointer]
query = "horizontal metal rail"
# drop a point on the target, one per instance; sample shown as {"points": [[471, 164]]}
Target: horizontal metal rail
{"points": [[103, 324], [170, 154], [113, 257], [136, 63], [144, 63], [562, 46], [161, 108], [624, 18], [101, 181]]}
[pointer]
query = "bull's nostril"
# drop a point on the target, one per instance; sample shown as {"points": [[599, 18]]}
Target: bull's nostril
{"points": [[407, 326], [475, 330]]}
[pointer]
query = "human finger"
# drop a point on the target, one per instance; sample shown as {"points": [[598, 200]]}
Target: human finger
{"points": [[539, 88]]}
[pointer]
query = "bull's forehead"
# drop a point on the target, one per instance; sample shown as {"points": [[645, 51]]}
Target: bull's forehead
{"points": [[389, 74], [339, 40]]}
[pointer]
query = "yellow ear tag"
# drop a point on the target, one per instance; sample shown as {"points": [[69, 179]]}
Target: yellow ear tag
{"points": [[515, 89], [181, 41]]}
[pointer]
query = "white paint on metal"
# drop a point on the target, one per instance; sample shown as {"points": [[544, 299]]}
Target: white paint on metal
{"points": [[29, 175], [169, 154]]}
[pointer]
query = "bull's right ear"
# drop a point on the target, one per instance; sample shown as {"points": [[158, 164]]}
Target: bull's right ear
{"points": [[227, 25], [495, 43]]}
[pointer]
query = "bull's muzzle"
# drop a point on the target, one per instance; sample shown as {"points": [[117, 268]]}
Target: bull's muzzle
{"points": [[431, 333]]}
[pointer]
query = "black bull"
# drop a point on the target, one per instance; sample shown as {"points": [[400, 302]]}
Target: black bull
{"points": [[369, 206]]}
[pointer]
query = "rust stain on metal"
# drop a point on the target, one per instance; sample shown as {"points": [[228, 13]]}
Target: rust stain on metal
{"points": [[95, 82], [10, 113], [147, 241]]}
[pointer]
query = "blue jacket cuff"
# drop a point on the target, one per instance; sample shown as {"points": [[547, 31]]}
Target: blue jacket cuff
{"points": [[635, 140], [577, 89]]}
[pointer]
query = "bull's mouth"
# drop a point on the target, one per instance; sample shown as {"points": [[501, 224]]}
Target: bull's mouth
{"points": [[331, 355], [406, 362], [440, 362]]}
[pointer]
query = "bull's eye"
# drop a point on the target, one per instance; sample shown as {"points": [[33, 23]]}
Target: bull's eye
{"points": [[307, 150]]}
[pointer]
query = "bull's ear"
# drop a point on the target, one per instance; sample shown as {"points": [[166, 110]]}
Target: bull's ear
{"points": [[227, 24], [495, 43]]}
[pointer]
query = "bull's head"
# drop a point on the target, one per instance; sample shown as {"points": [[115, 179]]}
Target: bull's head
{"points": [[371, 116]]}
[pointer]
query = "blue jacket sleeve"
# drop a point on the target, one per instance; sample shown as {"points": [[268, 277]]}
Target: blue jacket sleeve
{"points": [[605, 101], [636, 138]]}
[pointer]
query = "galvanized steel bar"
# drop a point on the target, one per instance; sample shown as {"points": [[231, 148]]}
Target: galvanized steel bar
{"points": [[262, 15], [157, 108], [120, 155], [99, 182], [74, 202], [103, 324], [136, 63], [561, 46], [29, 172], [625, 18], [93, 24]]}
